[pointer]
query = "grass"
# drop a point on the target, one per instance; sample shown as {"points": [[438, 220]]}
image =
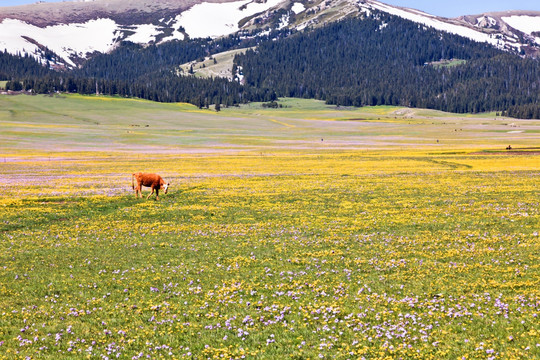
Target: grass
{"points": [[207, 68], [261, 250], [96, 123], [392, 255], [448, 63]]}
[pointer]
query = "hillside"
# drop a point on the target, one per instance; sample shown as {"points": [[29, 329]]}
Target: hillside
{"points": [[77, 31], [392, 65]]}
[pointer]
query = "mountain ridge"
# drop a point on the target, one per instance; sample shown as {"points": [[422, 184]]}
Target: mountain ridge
{"points": [[47, 14]]}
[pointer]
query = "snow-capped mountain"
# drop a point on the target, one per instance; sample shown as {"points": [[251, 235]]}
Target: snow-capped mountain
{"points": [[75, 30], [514, 30]]}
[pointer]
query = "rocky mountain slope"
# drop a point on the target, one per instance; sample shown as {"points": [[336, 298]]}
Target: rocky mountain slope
{"points": [[68, 33]]}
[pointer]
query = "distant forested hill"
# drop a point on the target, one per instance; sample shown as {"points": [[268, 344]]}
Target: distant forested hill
{"points": [[386, 60]]}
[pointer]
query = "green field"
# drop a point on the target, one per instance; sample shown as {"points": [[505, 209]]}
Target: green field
{"points": [[305, 232], [77, 123], [448, 63], [218, 65]]}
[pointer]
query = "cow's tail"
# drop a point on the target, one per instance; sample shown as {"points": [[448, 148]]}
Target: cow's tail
{"points": [[132, 182]]}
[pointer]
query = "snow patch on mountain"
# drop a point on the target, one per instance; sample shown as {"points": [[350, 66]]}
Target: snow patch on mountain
{"points": [[283, 21], [65, 40], [176, 35], [219, 18], [434, 22], [297, 8], [523, 23], [11, 40], [486, 21], [144, 34], [76, 40]]}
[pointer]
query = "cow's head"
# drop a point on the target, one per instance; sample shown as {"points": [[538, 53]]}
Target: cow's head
{"points": [[165, 187]]}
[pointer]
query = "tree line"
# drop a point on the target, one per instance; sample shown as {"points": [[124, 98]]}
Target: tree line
{"points": [[166, 88]]}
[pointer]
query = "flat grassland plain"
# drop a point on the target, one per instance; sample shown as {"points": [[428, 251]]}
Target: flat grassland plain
{"points": [[306, 232]]}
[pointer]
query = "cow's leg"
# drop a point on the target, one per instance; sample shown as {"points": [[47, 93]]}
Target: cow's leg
{"points": [[148, 197], [157, 194]]}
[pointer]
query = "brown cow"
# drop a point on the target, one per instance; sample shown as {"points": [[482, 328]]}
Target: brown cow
{"points": [[153, 181]]}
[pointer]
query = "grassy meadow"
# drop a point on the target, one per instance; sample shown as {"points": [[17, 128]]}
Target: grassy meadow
{"points": [[306, 232], [218, 65]]}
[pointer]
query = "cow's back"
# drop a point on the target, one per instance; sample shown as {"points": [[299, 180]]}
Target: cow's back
{"points": [[149, 179]]}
